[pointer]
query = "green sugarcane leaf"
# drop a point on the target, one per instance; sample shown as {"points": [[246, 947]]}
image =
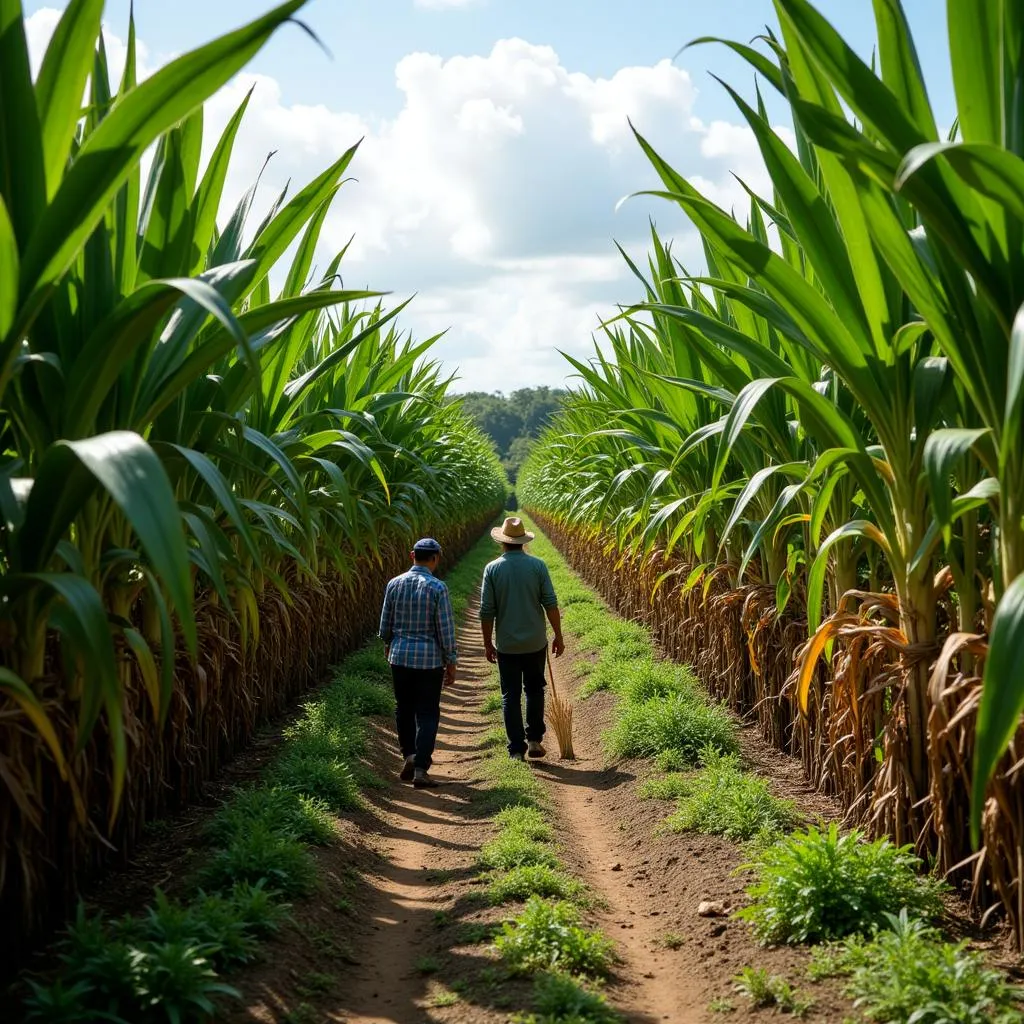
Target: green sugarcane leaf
{"points": [[8, 272], [974, 43], [130, 472], [211, 188], [816, 576], [1002, 696], [208, 472], [900, 66], [23, 179], [990, 170], [109, 154], [277, 235], [943, 450], [61, 83]]}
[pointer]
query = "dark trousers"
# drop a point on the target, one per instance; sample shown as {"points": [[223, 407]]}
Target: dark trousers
{"points": [[522, 673], [417, 711]]}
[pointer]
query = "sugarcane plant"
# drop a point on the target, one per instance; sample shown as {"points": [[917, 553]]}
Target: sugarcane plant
{"points": [[853, 360], [199, 459]]}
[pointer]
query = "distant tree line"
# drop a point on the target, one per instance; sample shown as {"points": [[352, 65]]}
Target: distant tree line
{"points": [[513, 421]]}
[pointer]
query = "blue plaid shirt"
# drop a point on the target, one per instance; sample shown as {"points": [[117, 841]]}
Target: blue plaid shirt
{"points": [[417, 622]]}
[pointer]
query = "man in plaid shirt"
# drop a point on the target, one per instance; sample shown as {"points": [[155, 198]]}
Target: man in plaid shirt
{"points": [[418, 630]]}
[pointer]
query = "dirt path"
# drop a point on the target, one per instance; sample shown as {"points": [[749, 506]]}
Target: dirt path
{"points": [[651, 986], [431, 841], [412, 948]]}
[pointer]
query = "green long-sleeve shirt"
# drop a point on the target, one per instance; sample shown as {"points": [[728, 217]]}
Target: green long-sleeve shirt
{"points": [[516, 590]]}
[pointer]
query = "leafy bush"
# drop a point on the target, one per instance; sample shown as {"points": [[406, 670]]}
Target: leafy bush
{"points": [[549, 935], [520, 883], [261, 855], [814, 886], [281, 810], [723, 800], [369, 663], [673, 723], [906, 974]]}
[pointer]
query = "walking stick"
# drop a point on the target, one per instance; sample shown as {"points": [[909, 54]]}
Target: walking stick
{"points": [[560, 717]]}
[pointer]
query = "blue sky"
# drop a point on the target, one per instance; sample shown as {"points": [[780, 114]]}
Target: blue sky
{"points": [[495, 144]]}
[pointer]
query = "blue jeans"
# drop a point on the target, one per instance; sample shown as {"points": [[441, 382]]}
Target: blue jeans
{"points": [[417, 711], [522, 673]]}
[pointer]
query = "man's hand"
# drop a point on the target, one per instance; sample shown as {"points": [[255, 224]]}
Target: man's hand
{"points": [[492, 654], [449, 673], [558, 645]]}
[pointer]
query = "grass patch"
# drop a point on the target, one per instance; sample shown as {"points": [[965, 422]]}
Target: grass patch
{"points": [[512, 850], [672, 940], [527, 822], [305, 818], [509, 783], [907, 974], [428, 965], [260, 855], [723, 800], [668, 787], [492, 704], [526, 880], [674, 722], [764, 989], [815, 886], [549, 935]]}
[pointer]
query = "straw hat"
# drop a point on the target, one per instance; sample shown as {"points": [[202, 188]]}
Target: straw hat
{"points": [[512, 531]]}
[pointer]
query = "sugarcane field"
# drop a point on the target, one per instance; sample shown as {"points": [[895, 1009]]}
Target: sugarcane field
{"points": [[512, 513]]}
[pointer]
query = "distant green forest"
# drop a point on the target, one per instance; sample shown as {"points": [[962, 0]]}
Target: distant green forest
{"points": [[513, 421]]}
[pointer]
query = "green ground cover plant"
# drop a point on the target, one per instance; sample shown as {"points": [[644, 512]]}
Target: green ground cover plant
{"points": [[722, 799], [816, 885], [767, 990], [906, 973], [548, 935]]}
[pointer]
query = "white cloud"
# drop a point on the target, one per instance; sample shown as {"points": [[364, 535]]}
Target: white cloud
{"points": [[492, 193]]}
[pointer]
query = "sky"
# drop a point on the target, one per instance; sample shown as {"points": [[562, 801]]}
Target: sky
{"points": [[496, 145]]}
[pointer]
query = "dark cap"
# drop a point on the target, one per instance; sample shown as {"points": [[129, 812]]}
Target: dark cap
{"points": [[427, 546]]}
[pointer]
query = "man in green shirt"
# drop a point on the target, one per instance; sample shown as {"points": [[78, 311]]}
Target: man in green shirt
{"points": [[516, 596]]}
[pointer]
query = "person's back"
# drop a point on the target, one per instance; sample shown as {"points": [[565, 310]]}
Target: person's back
{"points": [[515, 599], [519, 587]]}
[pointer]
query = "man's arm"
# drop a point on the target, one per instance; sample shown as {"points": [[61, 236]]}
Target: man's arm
{"points": [[488, 610], [446, 632], [386, 631], [549, 599], [487, 627]]}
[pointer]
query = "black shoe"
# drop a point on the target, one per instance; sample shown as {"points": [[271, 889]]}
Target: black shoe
{"points": [[518, 757], [408, 771], [424, 781]]}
